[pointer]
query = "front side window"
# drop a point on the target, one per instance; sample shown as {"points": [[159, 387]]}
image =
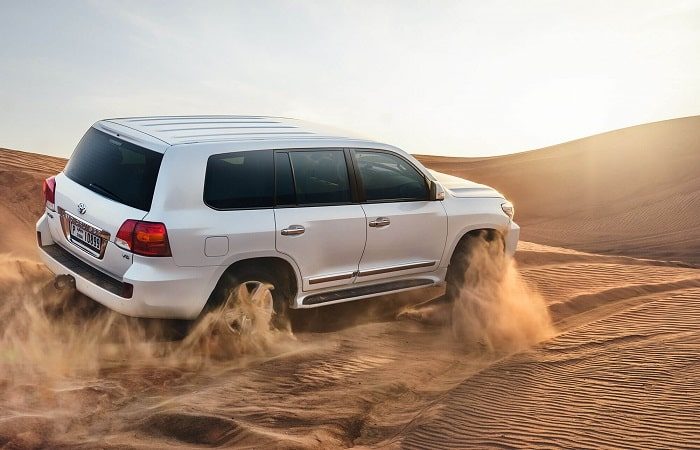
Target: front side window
{"points": [[320, 177], [387, 177], [240, 180]]}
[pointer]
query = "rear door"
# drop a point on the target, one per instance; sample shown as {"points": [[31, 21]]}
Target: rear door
{"points": [[406, 232], [318, 222], [106, 181]]}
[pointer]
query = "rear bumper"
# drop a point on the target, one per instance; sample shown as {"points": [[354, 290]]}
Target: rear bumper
{"points": [[160, 289], [61, 261]]}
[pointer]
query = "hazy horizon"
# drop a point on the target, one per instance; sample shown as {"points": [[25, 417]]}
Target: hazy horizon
{"points": [[447, 78]]}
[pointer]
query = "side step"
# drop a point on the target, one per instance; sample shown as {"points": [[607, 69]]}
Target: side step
{"points": [[375, 289]]}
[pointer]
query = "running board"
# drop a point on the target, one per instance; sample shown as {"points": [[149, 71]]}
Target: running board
{"points": [[375, 289]]}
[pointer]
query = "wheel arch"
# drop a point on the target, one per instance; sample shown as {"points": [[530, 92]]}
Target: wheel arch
{"points": [[493, 231], [282, 269]]}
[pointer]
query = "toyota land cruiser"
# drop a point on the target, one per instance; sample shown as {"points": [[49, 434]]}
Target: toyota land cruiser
{"points": [[163, 216]]}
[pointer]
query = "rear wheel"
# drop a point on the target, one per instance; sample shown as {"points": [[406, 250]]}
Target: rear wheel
{"points": [[255, 301], [249, 307], [250, 300]]}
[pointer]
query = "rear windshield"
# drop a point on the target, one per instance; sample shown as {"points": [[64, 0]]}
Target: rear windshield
{"points": [[115, 169]]}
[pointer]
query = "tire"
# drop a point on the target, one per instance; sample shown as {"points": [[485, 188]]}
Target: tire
{"points": [[247, 295], [478, 258]]}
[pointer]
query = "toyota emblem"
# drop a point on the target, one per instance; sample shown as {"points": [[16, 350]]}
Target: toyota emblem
{"points": [[82, 208]]}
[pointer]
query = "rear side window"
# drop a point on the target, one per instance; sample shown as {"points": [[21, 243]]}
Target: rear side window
{"points": [[386, 177], [240, 180], [320, 177], [115, 169]]}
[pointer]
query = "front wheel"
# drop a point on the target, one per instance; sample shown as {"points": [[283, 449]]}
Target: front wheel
{"points": [[474, 288], [478, 260]]}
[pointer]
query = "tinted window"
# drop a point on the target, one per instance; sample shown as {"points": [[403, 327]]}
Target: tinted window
{"points": [[387, 177], [115, 169], [240, 180], [320, 176], [285, 181]]}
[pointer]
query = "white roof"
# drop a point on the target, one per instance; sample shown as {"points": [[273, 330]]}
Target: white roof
{"points": [[176, 130]]}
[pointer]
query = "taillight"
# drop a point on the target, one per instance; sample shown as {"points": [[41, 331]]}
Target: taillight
{"points": [[125, 235], [49, 190], [143, 238]]}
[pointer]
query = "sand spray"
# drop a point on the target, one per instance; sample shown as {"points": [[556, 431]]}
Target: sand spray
{"points": [[495, 308], [46, 333]]}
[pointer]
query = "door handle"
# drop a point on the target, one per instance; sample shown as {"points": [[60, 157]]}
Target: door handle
{"points": [[293, 230], [380, 222]]}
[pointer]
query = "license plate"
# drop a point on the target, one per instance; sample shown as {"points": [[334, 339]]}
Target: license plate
{"points": [[79, 234]]}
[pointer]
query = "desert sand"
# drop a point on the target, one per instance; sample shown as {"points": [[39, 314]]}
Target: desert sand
{"points": [[581, 350]]}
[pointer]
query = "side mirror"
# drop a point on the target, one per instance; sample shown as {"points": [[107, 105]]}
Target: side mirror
{"points": [[436, 191]]}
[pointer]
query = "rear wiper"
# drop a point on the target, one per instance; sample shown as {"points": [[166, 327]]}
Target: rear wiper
{"points": [[106, 192]]}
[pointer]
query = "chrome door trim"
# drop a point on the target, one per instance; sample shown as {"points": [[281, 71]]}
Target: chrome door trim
{"points": [[416, 265], [334, 277]]}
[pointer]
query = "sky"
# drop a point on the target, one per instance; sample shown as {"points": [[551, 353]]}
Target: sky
{"points": [[458, 78]]}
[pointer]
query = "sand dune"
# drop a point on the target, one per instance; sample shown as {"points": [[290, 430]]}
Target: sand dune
{"points": [[21, 176], [618, 369], [634, 191]]}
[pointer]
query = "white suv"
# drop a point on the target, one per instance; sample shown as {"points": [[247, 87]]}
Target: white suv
{"points": [[163, 216]]}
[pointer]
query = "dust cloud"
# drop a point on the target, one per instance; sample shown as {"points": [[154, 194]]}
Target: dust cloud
{"points": [[49, 334], [495, 308], [66, 361], [72, 371]]}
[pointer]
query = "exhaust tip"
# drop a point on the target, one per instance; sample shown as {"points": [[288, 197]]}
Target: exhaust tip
{"points": [[62, 282]]}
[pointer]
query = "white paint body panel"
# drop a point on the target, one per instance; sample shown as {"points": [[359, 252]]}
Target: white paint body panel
{"points": [[331, 245], [415, 235], [337, 239]]}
